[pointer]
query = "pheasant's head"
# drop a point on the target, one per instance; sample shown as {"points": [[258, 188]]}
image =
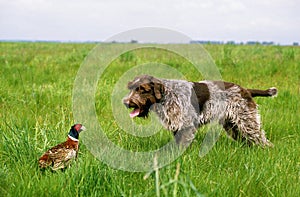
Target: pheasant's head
{"points": [[75, 130]]}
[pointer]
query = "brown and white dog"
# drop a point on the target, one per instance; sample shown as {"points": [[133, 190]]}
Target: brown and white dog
{"points": [[184, 106]]}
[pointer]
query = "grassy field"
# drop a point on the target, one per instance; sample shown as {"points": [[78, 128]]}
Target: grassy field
{"points": [[36, 113]]}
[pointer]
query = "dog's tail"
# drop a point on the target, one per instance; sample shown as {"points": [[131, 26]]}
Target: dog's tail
{"points": [[264, 93]]}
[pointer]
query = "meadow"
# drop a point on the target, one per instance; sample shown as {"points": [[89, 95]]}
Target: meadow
{"points": [[36, 113]]}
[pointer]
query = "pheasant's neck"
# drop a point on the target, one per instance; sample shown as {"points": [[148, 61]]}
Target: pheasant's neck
{"points": [[72, 138]]}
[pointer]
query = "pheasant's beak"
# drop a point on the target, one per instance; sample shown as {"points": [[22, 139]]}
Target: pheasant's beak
{"points": [[82, 128]]}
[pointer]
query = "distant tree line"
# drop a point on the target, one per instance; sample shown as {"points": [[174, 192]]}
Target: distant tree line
{"points": [[221, 42], [237, 43]]}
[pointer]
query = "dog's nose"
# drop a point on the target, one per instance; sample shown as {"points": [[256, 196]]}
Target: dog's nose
{"points": [[126, 102]]}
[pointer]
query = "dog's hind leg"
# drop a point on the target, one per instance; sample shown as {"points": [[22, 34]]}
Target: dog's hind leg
{"points": [[248, 123], [231, 129]]}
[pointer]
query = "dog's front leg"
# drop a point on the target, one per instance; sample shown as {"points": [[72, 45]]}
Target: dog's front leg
{"points": [[185, 136]]}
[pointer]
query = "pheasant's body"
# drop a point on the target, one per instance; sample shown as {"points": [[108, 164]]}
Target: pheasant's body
{"points": [[61, 155]]}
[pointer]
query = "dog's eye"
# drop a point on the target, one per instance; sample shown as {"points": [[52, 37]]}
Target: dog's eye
{"points": [[141, 90]]}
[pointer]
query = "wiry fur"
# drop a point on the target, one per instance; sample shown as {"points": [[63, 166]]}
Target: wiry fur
{"points": [[184, 106]]}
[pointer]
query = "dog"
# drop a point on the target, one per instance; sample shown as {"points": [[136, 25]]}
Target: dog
{"points": [[184, 106]]}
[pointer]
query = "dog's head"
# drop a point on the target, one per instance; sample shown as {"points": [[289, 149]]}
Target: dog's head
{"points": [[145, 91]]}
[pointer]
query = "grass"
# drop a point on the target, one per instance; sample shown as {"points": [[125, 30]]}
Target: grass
{"points": [[36, 113]]}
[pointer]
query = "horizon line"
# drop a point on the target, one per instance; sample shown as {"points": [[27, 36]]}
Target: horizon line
{"points": [[220, 42]]}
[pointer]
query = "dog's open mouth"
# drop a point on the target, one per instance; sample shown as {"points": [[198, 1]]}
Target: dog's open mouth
{"points": [[137, 109], [135, 112]]}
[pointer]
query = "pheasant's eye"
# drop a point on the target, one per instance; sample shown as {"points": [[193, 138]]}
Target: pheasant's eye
{"points": [[77, 127]]}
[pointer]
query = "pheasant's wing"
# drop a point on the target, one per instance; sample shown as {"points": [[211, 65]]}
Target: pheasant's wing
{"points": [[51, 155], [60, 163], [61, 156]]}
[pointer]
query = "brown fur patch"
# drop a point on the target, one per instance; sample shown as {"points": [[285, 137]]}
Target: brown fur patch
{"points": [[202, 93], [247, 95], [223, 85]]}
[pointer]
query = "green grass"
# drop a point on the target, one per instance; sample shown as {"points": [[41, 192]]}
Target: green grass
{"points": [[36, 113]]}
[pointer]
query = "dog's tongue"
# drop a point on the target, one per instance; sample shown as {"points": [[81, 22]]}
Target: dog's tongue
{"points": [[134, 113]]}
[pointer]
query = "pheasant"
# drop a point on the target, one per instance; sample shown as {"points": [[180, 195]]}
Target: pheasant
{"points": [[61, 155]]}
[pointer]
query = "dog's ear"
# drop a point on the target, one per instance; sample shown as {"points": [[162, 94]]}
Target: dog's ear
{"points": [[158, 89], [157, 85]]}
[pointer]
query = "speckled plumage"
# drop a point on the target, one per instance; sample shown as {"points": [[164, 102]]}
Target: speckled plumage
{"points": [[61, 155]]}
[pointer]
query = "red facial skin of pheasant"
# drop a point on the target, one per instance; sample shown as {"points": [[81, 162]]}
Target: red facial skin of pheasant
{"points": [[61, 155]]}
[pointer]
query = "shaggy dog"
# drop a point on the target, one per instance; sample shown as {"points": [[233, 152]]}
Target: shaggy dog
{"points": [[184, 106]]}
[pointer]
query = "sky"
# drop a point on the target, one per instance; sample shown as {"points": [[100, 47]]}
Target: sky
{"points": [[98, 20]]}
